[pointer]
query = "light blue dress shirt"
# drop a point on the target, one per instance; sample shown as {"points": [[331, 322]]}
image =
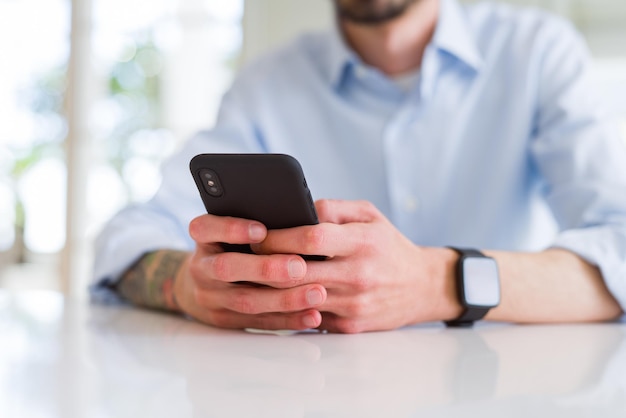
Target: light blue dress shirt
{"points": [[501, 144]]}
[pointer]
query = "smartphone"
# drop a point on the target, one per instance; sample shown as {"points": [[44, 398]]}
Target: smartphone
{"points": [[269, 188]]}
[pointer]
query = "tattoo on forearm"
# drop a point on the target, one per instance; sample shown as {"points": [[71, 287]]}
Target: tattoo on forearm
{"points": [[150, 282]]}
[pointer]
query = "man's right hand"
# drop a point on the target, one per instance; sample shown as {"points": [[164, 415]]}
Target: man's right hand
{"points": [[205, 287]]}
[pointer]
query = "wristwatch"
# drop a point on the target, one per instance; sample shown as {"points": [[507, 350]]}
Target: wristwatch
{"points": [[478, 286]]}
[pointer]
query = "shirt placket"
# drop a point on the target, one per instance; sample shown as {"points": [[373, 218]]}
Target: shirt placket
{"points": [[402, 144]]}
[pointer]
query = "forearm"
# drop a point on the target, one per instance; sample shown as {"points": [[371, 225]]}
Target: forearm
{"points": [[150, 281], [551, 286]]}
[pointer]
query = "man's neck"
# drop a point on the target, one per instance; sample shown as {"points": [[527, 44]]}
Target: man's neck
{"points": [[395, 47]]}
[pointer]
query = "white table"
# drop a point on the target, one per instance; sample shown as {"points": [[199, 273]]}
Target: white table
{"points": [[66, 359]]}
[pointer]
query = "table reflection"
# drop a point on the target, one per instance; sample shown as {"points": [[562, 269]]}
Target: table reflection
{"points": [[426, 370], [67, 359]]}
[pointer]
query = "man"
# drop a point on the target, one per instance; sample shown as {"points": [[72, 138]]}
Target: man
{"points": [[436, 126]]}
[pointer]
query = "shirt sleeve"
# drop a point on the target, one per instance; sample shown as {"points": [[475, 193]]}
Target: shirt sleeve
{"points": [[581, 154], [162, 222]]}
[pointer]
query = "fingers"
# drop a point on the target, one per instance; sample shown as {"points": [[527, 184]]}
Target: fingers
{"points": [[210, 229], [254, 300], [327, 239], [346, 211], [342, 231], [278, 271], [288, 304], [263, 308], [270, 321]]}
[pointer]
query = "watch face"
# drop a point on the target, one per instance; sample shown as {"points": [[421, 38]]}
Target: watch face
{"points": [[481, 283]]}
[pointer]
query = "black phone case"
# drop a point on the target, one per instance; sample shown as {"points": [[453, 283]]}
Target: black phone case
{"points": [[269, 188]]}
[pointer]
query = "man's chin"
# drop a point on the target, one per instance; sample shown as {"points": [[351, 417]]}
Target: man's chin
{"points": [[371, 12]]}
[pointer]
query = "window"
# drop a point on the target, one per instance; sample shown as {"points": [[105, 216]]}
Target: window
{"points": [[153, 73], [32, 170]]}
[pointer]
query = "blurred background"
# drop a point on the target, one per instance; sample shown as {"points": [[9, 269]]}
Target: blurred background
{"points": [[94, 94]]}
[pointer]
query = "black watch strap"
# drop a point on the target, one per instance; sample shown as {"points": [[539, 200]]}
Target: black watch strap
{"points": [[468, 252], [469, 315]]}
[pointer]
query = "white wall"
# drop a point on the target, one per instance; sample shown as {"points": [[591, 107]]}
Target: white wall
{"points": [[269, 23]]}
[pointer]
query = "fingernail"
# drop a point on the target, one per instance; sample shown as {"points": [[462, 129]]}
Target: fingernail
{"points": [[314, 297], [256, 232], [296, 269], [309, 321]]}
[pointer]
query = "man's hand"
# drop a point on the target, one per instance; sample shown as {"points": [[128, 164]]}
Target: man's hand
{"points": [[205, 286], [375, 277]]}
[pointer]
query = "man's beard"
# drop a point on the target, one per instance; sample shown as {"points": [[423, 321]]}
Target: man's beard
{"points": [[371, 12]]}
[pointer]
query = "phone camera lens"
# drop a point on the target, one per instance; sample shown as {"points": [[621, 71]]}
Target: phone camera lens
{"points": [[211, 182]]}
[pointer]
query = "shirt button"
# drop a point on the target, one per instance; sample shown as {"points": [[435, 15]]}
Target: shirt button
{"points": [[411, 204]]}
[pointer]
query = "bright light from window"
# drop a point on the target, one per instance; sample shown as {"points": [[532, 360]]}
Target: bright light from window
{"points": [[43, 192], [225, 11], [7, 217], [106, 194], [160, 68], [34, 45], [42, 45]]}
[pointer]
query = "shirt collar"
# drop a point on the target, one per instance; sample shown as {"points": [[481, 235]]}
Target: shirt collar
{"points": [[340, 57], [453, 35]]}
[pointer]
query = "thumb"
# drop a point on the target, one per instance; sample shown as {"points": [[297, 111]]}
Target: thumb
{"points": [[346, 211]]}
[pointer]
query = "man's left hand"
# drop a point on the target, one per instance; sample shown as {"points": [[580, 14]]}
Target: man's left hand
{"points": [[376, 278]]}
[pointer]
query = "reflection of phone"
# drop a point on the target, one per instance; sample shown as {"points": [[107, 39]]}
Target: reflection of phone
{"points": [[269, 188]]}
